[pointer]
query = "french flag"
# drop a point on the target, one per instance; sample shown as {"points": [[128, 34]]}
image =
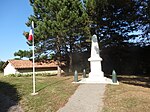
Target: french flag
{"points": [[30, 38]]}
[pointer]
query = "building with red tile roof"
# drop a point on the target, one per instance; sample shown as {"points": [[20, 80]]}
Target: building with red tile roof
{"points": [[25, 67]]}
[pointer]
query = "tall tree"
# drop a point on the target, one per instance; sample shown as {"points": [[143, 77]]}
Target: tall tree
{"points": [[61, 26], [143, 20], [113, 20]]}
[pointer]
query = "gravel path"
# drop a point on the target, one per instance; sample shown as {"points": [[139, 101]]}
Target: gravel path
{"points": [[87, 98]]}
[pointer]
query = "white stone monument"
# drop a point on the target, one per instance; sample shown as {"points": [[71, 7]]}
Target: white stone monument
{"points": [[96, 75]]}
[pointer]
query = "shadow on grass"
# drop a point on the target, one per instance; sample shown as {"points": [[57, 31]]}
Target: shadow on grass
{"points": [[136, 80], [8, 96], [57, 82], [143, 81]]}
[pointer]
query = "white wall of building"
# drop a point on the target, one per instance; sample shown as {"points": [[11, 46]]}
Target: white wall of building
{"points": [[9, 69]]}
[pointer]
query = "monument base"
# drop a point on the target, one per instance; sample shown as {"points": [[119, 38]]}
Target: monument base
{"points": [[97, 80], [96, 75]]}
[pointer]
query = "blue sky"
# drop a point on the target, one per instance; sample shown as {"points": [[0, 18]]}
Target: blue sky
{"points": [[13, 16]]}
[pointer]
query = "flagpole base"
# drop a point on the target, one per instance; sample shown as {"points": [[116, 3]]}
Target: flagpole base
{"points": [[33, 94]]}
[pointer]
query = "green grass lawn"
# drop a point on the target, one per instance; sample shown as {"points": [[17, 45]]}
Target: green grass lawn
{"points": [[53, 92], [132, 95]]}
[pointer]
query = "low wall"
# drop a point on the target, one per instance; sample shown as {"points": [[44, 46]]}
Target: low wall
{"points": [[53, 72]]}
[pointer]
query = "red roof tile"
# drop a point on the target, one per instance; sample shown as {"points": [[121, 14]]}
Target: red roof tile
{"points": [[28, 64]]}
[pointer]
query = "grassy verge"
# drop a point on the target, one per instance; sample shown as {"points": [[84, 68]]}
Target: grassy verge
{"points": [[53, 92], [132, 95], [1, 74]]}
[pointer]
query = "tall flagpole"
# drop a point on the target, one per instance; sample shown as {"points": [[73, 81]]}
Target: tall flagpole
{"points": [[34, 92]]}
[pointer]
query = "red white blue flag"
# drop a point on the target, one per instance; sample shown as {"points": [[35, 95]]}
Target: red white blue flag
{"points": [[30, 38]]}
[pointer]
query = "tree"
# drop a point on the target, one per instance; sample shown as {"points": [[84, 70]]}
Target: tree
{"points": [[23, 53], [113, 20], [143, 12], [1, 65], [61, 27]]}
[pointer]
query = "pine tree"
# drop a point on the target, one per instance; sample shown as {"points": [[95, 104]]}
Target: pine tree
{"points": [[113, 20], [23, 53], [61, 26]]}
